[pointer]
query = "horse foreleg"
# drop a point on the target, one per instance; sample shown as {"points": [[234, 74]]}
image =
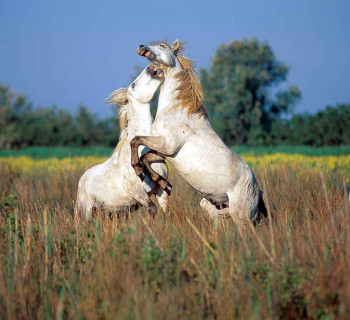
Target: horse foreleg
{"points": [[146, 202], [152, 156], [163, 200], [156, 143]]}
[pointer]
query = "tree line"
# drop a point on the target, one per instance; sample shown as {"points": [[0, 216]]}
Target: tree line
{"points": [[243, 101], [21, 125]]}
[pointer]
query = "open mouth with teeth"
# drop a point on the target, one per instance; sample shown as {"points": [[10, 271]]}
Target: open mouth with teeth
{"points": [[155, 71], [145, 53]]}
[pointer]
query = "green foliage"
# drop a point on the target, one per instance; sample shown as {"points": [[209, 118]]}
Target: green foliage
{"points": [[58, 152], [23, 126], [238, 91], [330, 126], [9, 205], [298, 149]]}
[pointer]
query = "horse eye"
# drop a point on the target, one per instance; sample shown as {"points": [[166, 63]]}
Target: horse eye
{"points": [[133, 85], [163, 46]]}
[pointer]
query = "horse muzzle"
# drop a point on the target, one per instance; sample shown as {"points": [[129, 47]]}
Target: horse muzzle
{"points": [[144, 51], [155, 72]]}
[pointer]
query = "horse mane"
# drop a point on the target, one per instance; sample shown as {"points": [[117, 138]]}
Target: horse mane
{"points": [[124, 132], [190, 93], [120, 98], [123, 118]]}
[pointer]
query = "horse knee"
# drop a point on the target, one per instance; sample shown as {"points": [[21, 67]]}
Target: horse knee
{"points": [[134, 141]]}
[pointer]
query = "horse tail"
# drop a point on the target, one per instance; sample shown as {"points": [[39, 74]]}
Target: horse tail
{"points": [[262, 212], [261, 206]]}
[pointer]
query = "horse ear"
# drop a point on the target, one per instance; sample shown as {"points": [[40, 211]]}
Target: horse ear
{"points": [[176, 46], [119, 96]]}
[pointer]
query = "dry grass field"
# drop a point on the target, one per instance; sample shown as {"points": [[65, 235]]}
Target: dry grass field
{"points": [[294, 265]]}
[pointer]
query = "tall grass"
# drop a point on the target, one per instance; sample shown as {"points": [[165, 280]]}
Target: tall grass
{"points": [[183, 266]]}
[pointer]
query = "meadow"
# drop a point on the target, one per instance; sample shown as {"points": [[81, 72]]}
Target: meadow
{"points": [[102, 151], [293, 265]]}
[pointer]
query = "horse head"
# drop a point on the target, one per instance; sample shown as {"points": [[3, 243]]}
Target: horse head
{"points": [[142, 90], [161, 53], [188, 89]]}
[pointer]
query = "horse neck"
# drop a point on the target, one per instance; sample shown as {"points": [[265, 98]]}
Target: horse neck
{"points": [[166, 98], [139, 119]]}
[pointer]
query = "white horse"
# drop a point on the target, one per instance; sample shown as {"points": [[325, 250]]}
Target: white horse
{"points": [[181, 132], [113, 185]]}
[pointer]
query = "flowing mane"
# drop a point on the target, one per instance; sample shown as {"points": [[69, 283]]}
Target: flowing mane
{"points": [[190, 93], [120, 98], [123, 124]]}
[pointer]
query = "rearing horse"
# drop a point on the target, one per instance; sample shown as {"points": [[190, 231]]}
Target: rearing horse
{"points": [[181, 132], [113, 185]]}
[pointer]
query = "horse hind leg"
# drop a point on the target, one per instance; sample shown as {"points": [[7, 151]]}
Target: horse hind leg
{"points": [[83, 205], [213, 211], [242, 207], [83, 210]]}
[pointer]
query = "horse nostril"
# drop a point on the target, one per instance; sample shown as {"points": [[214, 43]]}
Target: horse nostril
{"points": [[133, 85]]}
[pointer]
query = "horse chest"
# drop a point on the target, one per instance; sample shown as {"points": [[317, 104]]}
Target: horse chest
{"points": [[165, 124]]}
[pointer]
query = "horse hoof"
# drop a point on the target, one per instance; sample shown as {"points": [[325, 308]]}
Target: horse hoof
{"points": [[142, 176], [168, 188], [152, 212]]}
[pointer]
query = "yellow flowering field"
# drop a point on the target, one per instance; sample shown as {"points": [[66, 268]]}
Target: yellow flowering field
{"points": [[27, 164], [339, 164], [327, 164]]}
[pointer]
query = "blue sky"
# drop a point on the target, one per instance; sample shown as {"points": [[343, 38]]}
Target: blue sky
{"points": [[72, 52]]}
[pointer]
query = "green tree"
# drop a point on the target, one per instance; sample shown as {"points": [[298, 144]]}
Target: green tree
{"points": [[330, 126], [238, 92], [15, 114], [85, 126]]}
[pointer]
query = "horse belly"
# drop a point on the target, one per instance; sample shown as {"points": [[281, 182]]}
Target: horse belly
{"points": [[205, 171], [107, 190]]}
